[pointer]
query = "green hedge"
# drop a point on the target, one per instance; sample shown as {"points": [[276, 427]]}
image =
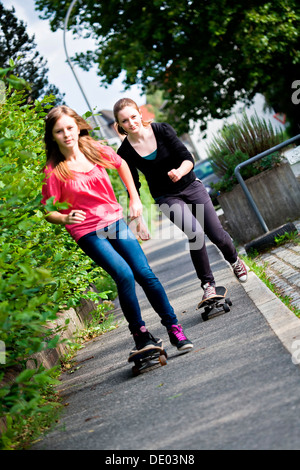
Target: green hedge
{"points": [[42, 268]]}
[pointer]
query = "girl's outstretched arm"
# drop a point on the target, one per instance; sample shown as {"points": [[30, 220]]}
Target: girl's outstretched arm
{"points": [[135, 205], [76, 216]]}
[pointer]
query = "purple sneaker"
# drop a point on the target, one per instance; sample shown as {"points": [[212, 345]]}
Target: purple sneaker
{"points": [[178, 338]]}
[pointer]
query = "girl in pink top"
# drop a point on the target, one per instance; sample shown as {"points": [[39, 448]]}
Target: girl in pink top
{"points": [[75, 172]]}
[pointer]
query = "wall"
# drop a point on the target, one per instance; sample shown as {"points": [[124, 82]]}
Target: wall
{"points": [[276, 193]]}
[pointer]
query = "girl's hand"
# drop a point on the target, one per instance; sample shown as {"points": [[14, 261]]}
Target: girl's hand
{"points": [[175, 175], [76, 216], [135, 209], [135, 205]]}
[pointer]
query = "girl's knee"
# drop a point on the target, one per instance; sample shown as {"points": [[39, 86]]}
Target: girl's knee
{"points": [[197, 240], [146, 277], [125, 279], [221, 238]]}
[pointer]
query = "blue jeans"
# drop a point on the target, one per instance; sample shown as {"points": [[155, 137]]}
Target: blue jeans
{"points": [[117, 251]]}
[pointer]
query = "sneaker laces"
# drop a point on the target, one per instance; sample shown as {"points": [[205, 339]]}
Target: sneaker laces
{"points": [[178, 332], [209, 290], [238, 267]]}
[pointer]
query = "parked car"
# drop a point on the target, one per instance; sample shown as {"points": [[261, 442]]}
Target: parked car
{"points": [[205, 173]]}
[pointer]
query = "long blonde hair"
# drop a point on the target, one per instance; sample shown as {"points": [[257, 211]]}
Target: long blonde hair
{"points": [[121, 104], [87, 145]]}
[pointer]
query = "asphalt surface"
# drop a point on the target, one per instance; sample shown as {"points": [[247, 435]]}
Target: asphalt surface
{"points": [[238, 388]]}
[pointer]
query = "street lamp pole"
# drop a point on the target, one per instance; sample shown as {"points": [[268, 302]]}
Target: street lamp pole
{"points": [[97, 124]]}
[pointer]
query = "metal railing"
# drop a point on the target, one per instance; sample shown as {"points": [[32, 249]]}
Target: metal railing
{"points": [[252, 160]]}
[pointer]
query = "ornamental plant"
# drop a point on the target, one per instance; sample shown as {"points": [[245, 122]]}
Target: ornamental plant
{"points": [[237, 142]]}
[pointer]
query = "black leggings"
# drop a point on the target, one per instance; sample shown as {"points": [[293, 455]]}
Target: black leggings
{"points": [[193, 212]]}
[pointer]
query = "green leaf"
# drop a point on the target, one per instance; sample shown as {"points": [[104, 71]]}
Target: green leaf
{"points": [[53, 342], [25, 376]]}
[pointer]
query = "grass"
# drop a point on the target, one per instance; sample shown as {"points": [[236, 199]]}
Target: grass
{"points": [[29, 429], [288, 237]]}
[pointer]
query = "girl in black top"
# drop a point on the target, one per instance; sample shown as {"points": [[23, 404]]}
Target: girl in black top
{"points": [[155, 150]]}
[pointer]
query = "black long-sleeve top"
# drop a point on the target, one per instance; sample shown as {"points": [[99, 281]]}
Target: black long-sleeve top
{"points": [[171, 152]]}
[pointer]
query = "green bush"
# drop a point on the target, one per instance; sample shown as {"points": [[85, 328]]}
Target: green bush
{"points": [[238, 142], [42, 268]]}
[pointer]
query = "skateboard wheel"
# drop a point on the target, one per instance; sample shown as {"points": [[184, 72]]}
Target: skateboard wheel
{"points": [[204, 316], [136, 371], [226, 308], [228, 301], [162, 360]]}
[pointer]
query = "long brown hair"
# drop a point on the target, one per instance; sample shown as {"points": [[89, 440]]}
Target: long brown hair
{"points": [[87, 145], [121, 104]]}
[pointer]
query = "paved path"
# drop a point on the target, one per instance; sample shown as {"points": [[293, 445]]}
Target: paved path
{"points": [[238, 389]]}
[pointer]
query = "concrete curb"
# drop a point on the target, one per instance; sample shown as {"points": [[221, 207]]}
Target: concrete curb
{"points": [[77, 318], [281, 319]]}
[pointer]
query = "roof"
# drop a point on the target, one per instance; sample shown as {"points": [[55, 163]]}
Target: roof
{"points": [[147, 112]]}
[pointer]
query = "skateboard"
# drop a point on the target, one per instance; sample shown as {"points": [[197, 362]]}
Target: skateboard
{"points": [[216, 304], [147, 359]]}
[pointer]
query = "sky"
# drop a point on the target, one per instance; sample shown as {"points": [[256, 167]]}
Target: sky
{"points": [[50, 47]]}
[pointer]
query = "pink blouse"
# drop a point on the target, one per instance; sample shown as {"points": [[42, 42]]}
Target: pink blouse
{"points": [[92, 192]]}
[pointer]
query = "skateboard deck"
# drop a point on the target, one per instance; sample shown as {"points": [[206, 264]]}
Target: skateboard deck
{"points": [[147, 359], [215, 305]]}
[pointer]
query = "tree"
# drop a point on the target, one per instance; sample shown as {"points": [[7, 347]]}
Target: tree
{"points": [[15, 43], [204, 56]]}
